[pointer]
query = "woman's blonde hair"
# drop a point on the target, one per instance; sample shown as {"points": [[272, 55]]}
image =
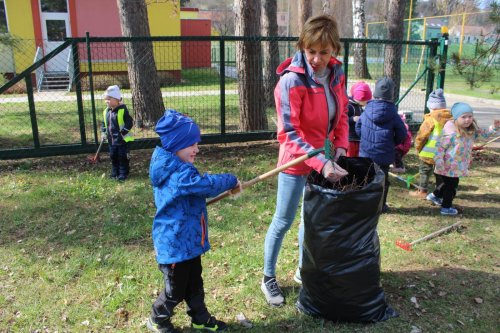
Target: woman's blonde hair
{"points": [[321, 29]]}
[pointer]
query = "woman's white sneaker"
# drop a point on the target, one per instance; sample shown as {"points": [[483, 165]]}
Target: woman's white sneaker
{"points": [[273, 293]]}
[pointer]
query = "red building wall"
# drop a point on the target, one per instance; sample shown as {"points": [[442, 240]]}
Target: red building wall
{"points": [[195, 54]]}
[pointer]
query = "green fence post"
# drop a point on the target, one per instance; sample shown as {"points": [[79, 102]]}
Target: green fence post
{"points": [[31, 104], [346, 62], [91, 84], [222, 62], [430, 73], [78, 86], [443, 55]]}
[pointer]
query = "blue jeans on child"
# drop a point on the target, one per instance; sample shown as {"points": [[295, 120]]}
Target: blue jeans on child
{"points": [[290, 191]]}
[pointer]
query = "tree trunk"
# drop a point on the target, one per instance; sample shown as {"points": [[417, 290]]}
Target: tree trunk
{"points": [[395, 30], [146, 94], [270, 49], [326, 7], [249, 66], [305, 12], [359, 49], [342, 11]]}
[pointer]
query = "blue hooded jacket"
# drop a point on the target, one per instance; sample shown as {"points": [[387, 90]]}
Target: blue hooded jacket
{"points": [[180, 225], [381, 130]]}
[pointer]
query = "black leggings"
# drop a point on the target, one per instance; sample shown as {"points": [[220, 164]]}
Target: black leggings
{"points": [[447, 190]]}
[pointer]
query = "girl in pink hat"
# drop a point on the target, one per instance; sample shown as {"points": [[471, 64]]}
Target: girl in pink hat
{"points": [[360, 95]]}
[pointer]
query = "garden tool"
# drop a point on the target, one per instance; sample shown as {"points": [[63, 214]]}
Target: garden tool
{"points": [[325, 149], [95, 159], [408, 246], [408, 181], [480, 147]]}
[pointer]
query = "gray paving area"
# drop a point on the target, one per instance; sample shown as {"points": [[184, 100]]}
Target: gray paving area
{"points": [[485, 110]]}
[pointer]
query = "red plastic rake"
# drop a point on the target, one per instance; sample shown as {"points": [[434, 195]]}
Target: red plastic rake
{"points": [[408, 246]]}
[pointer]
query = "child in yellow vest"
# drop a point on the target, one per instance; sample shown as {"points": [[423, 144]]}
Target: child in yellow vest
{"points": [[427, 136], [116, 126]]}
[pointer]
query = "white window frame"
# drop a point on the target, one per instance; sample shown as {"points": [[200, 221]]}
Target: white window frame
{"points": [[6, 17]]}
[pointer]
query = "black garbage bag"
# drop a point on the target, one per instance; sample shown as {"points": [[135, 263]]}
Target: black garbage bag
{"points": [[341, 253]]}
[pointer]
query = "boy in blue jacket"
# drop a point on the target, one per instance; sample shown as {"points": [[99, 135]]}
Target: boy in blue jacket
{"points": [[180, 225], [381, 129]]}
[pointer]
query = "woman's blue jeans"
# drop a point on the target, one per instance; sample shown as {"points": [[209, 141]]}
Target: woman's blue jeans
{"points": [[290, 191]]}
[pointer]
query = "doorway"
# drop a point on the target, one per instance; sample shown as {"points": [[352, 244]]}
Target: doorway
{"points": [[54, 16]]}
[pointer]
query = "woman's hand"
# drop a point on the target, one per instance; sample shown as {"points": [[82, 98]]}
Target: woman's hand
{"points": [[333, 172], [339, 152]]}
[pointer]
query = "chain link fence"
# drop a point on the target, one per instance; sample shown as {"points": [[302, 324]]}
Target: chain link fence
{"points": [[468, 34], [52, 103]]}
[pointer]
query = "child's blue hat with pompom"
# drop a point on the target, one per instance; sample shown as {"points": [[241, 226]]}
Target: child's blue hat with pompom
{"points": [[177, 131]]}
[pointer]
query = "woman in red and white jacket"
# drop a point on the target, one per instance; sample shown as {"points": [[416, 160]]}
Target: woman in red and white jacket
{"points": [[311, 104]]}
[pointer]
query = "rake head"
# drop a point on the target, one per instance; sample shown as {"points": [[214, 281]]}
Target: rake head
{"points": [[404, 245], [410, 180], [93, 159]]}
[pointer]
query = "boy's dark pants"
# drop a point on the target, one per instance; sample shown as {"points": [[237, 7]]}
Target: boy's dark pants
{"points": [[183, 281], [398, 158], [425, 170], [119, 160], [447, 190], [385, 169]]}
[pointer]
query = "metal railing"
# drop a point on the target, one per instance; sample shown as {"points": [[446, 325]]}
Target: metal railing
{"points": [[39, 71], [198, 76], [70, 69]]}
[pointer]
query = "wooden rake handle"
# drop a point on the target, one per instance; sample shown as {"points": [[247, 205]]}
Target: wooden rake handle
{"points": [[485, 144], [268, 174], [96, 156], [408, 246]]}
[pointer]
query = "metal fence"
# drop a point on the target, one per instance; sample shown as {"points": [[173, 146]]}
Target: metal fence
{"points": [[54, 106]]}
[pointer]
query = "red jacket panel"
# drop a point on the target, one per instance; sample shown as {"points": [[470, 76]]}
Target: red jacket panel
{"points": [[302, 110]]}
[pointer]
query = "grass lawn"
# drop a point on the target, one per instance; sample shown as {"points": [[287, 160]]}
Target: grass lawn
{"points": [[76, 252]]}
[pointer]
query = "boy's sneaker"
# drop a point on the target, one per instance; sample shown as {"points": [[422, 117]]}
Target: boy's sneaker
{"points": [[435, 200], [449, 211], [296, 277], [164, 327], [212, 325], [273, 293]]}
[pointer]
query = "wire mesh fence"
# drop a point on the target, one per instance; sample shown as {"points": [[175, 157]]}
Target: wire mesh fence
{"points": [[52, 103]]}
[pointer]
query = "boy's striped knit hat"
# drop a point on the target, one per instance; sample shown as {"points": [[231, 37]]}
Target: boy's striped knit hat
{"points": [[436, 100]]}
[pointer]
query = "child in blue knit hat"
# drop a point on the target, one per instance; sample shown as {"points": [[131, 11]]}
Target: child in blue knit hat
{"points": [[180, 225], [453, 156]]}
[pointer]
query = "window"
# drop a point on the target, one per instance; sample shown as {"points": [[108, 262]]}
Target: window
{"points": [[3, 18], [54, 6], [56, 30]]}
